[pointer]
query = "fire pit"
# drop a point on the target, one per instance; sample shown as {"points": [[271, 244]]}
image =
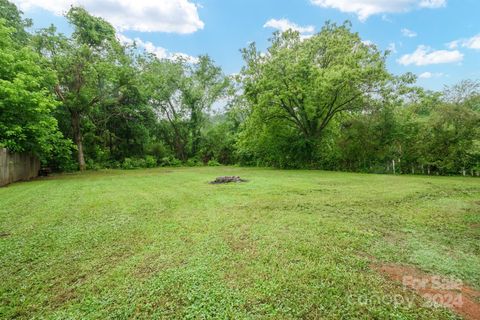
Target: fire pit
{"points": [[227, 179]]}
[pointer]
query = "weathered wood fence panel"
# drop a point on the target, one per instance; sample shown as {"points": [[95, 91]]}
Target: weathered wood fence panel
{"points": [[17, 167]]}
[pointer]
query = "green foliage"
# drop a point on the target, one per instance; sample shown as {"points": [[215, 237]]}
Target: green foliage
{"points": [[12, 18], [452, 132], [299, 86], [92, 165], [150, 162], [129, 164], [27, 123], [183, 94], [89, 30], [213, 163], [323, 102], [170, 162], [328, 102], [193, 162], [135, 163], [219, 138], [91, 72]]}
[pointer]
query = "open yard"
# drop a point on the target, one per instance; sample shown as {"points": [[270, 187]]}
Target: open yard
{"points": [[163, 243]]}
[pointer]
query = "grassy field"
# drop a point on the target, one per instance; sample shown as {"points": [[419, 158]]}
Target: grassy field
{"points": [[163, 243]]}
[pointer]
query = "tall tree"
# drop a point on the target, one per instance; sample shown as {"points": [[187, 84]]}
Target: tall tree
{"points": [[161, 84], [203, 85], [26, 101], [84, 64], [183, 93], [13, 18], [299, 85]]}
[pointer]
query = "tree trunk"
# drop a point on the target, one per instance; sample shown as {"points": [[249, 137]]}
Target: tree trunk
{"points": [[195, 130], [110, 143], [78, 138], [195, 141]]}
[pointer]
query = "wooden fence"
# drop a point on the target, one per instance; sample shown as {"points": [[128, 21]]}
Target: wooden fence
{"points": [[17, 167]]}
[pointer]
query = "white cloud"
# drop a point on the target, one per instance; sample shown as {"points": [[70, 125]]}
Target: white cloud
{"points": [[175, 16], [159, 52], [453, 44], [366, 8], [408, 33], [425, 56], [432, 3], [386, 18], [285, 24], [425, 75], [471, 43], [428, 75]]}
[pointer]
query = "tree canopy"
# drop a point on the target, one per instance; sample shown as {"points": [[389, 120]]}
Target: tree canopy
{"points": [[88, 101], [27, 104], [300, 85]]}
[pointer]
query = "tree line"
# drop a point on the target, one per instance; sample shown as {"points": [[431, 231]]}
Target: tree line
{"points": [[88, 101]]}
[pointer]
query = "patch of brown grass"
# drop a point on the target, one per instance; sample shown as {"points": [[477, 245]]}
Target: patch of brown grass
{"points": [[450, 293]]}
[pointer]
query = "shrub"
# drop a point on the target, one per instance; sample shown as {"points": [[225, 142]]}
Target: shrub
{"points": [[170, 162], [115, 165], [128, 164], [150, 162], [193, 162], [175, 162], [134, 163], [158, 150], [140, 163], [213, 163], [92, 165]]}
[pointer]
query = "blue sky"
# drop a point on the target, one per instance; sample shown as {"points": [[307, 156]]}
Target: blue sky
{"points": [[439, 40]]}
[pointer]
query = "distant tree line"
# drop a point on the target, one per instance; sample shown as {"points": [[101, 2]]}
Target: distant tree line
{"points": [[88, 101]]}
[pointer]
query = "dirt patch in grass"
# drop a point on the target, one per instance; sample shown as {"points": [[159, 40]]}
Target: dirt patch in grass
{"points": [[242, 244], [154, 264], [64, 297], [66, 289], [448, 292]]}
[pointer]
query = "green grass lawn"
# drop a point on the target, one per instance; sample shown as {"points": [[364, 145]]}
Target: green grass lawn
{"points": [[163, 243]]}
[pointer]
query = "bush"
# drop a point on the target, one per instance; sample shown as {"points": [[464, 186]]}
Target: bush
{"points": [[92, 165], [193, 162], [213, 163], [140, 163], [158, 150], [170, 162], [150, 162], [175, 162], [134, 163], [128, 164], [67, 166], [114, 165]]}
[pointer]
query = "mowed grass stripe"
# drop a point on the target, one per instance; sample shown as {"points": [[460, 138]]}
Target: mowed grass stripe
{"points": [[164, 243]]}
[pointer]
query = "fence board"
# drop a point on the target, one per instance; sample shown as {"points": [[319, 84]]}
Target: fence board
{"points": [[17, 167]]}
